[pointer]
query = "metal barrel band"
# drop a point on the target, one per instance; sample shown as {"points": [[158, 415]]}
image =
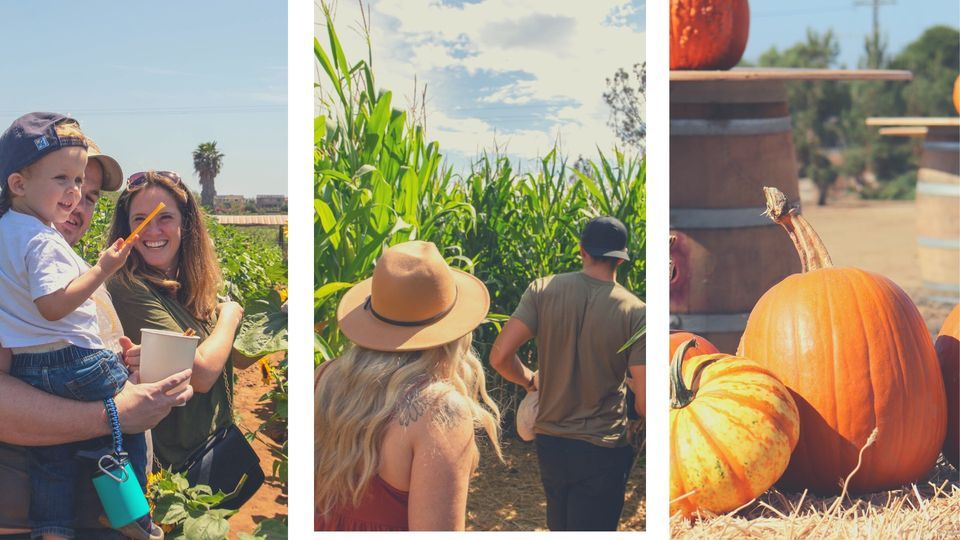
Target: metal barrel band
{"points": [[709, 322], [720, 218]]}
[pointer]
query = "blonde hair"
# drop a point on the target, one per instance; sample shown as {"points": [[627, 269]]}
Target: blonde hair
{"points": [[198, 274], [358, 394], [67, 128]]}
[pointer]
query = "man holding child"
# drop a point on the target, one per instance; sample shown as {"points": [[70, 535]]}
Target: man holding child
{"points": [[52, 314]]}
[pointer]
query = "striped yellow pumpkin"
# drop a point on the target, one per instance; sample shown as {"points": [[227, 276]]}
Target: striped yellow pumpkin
{"points": [[733, 426]]}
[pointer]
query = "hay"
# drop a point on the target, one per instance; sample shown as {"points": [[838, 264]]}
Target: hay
{"points": [[927, 510]]}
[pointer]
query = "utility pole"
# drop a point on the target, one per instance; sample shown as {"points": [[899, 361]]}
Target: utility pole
{"points": [[873, 45]]}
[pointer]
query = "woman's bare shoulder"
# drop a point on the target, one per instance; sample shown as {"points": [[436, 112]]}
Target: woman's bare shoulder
{"points": [[436, 407]]}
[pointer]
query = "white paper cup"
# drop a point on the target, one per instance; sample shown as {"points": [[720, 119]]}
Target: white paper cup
{"points": [[163, 353]]}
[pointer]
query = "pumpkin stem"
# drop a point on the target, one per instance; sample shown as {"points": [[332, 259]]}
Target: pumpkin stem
{"points": [[680, 395], [813, 254]]}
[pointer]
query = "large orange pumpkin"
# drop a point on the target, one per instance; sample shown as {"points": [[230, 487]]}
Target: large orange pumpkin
{"points": [[948, 352], [708, 34], [701, 345], [856, 354], [732, 428]]}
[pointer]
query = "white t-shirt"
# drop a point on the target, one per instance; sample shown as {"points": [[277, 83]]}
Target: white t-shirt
{"points": [[35, 260]]}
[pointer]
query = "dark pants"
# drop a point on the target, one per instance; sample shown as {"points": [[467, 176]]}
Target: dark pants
{"points": [[83, 375], [584, 483]]}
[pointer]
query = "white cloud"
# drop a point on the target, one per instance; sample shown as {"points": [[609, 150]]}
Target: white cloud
{"points": [[565, 50]]}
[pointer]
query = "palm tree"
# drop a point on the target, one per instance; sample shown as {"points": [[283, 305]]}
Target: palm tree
{"points": [[207, 161]]}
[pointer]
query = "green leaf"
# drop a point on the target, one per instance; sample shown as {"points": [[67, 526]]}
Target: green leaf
{"points": [[268, 529], [169, 510], [208, 526], [329, 288], [319, 129], [633, 339], [261, 334]]}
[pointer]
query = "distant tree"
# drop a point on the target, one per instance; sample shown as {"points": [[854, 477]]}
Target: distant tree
{"points": [[934, 60], [817, 106], [626, 96], [207, 161]]}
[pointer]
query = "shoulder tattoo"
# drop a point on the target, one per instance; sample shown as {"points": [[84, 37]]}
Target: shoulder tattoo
{"points": [[410, 408]]}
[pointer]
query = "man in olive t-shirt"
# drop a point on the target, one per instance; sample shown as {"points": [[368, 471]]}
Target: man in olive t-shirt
{"points": [[580, 320]]}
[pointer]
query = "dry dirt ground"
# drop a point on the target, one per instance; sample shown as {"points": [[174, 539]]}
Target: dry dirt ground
{"points": [[879, 236], [270, 501]]}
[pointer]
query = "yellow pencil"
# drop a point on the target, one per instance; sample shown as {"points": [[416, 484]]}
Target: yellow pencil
{"points": [[160, 206]]}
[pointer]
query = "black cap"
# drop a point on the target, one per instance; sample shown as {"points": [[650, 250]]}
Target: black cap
{"points": [[605, 236], [28, 139]]}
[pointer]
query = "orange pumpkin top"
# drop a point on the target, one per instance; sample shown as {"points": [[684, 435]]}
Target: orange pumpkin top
{"points": [[708, 34]]}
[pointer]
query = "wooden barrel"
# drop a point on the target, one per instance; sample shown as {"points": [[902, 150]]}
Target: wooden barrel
{"points": [[938, 215], [728, 139]]}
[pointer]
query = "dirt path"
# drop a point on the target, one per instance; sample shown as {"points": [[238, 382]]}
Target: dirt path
{"points": [[270, 501]]}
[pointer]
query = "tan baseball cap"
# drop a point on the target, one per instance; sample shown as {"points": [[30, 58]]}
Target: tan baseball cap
{"points": [[112, 174]]}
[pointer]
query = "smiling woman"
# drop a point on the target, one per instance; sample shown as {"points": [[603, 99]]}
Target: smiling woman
{"points": [[170, 283]]}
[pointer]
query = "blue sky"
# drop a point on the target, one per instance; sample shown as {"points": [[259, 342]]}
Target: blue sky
{"points": [[519, 73], [522, 72], [149, 81], [781, 24]]}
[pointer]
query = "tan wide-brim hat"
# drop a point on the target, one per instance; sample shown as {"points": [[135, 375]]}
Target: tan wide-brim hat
{"points": [[414, 301], [112, 174]]}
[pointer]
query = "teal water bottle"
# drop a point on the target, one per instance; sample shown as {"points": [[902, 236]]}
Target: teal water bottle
{"points": [[116, 483], [119, 491]]}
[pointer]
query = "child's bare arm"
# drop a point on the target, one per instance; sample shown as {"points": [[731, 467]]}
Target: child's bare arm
{"points": [[63, 302]]}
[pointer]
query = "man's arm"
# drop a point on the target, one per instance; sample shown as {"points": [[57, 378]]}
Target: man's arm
{"points": [[503, 355], [638, 383], [32, 417]]}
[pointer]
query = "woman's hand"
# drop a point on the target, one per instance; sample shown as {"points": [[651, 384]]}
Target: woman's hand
{"points": [[231, 312]]}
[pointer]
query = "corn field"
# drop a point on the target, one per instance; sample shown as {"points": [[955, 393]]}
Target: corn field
{"points": [[378, 182]]}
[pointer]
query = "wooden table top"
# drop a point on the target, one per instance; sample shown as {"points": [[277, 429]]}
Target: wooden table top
{"points": [[792, 74], [915, 121]]}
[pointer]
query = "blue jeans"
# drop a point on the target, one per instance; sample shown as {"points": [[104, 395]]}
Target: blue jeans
{"points": [[83, 375]]}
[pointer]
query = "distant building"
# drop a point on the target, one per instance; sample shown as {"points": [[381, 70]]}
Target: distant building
{"points": [[229, 203], [271, 203]]}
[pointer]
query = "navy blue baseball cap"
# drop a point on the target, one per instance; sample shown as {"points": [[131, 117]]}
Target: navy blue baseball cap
{"points": [[605, 237], [29, 138]]}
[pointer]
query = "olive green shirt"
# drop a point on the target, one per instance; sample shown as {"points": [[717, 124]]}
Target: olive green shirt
{"points": [[579, 324], [141, 305]]}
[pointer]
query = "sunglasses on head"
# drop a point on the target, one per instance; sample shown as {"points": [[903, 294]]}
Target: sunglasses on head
{"points": [[138, 180]]}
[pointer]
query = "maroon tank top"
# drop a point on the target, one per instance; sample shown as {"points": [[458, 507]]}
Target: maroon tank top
{"points": [[382, 508]]}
